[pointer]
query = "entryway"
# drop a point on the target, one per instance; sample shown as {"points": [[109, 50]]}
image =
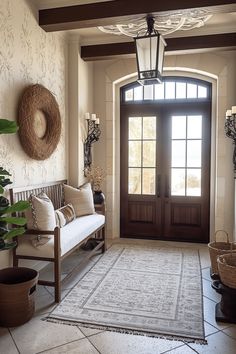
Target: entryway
{"points": [[165, 160]]}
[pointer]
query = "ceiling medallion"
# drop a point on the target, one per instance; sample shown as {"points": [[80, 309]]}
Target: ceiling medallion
{"points": [[164, 24]]}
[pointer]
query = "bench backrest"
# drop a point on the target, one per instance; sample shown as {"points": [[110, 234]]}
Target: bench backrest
{"points": [[54, 191]]}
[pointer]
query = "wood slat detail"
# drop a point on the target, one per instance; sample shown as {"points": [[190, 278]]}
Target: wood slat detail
{"points": [[141, 212], [188, 214]]}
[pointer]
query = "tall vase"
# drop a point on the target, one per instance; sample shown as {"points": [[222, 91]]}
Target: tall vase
{"points": [[98, 197]]}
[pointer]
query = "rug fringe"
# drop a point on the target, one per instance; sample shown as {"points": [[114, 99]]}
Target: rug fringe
{"points": [[126, 331]]}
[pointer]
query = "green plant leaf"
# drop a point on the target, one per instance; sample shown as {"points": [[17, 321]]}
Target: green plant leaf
{"points": [[8, 127], [1, 190], [18, 206], [14, 232], [3, 171], [8, 246], [13, 220]]}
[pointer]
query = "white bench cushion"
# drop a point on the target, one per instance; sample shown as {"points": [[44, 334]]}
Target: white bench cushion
{"points": [[71, 235]]}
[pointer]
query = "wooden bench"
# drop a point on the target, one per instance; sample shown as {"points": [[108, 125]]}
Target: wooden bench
{"points": [[84, 228]]}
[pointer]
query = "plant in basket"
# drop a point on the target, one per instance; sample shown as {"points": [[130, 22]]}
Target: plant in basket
{"points": [[17, 285]]}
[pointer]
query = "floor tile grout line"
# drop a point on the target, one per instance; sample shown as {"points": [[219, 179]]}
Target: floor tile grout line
{"points": [[188, 345], [169, 350], [59, 346], [222, 330], [13, 340], [215, 301], [94, 344]]}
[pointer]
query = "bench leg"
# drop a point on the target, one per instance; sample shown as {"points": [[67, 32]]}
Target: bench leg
{"points": [[15, 261], [104, 247], [57, 279]]}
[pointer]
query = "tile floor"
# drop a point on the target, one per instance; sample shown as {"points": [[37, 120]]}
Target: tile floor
{"points": [[38, 336]]}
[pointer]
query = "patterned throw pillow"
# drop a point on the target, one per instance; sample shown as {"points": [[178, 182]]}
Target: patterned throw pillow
{"points": [[64, 215], [41, 215], [81, 198]]}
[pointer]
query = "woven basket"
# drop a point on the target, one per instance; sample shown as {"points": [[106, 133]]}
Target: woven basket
{"points": [[219, 248], [227, 269]]}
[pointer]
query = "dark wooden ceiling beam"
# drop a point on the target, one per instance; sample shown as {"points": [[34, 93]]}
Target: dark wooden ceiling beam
{"points": [[112, 12], [107, 51]]}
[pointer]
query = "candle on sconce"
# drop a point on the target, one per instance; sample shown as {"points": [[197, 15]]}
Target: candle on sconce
{"points": [[93, 116], [228, 113], [97, 121], [87, 116], [233, 110]]}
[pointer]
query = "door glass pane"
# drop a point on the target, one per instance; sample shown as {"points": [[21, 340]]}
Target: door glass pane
{"points": [[138, 93], [148, 92], [149, 153], [178, 153], [159, 91], [135, 128], [134, 153], [134, 181], [194, 127], [202, 92], [180, 90], [149, 127], [149, 181], [194, 182], [194, 153], [178, 127], [129, 95], [191, 91], [177, 181], [170, 90]]}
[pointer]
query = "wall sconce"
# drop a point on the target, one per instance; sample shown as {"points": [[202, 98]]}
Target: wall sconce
{"points": [[93, 134], [150, 49], [230, 130]]}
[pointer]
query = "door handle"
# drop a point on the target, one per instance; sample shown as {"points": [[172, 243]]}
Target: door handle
{"points": [[158, 186]]}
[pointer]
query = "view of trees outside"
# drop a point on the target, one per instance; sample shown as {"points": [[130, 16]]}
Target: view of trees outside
{"points": [[142, 155], [186, 140]]}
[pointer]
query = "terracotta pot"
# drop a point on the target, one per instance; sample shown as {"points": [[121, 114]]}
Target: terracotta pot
{"points": [[17, 288]]}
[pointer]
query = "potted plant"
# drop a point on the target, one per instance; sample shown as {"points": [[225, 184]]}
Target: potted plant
{"points": [[17, 284]]}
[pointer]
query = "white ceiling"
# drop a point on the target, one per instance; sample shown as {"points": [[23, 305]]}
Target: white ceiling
{"points": [[218, 23]]}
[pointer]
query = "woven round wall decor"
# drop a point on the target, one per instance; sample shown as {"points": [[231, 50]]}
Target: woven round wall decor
{"points": [[39, 122]]}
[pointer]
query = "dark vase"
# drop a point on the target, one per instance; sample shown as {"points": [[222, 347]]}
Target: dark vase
{"points": [[98, 197]]}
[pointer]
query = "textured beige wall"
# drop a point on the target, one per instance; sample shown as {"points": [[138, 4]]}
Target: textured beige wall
{"points": [[219, 68], [29, 55]]}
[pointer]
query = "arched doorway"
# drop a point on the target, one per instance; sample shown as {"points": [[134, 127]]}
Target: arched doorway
{"points": [[165, 160]]}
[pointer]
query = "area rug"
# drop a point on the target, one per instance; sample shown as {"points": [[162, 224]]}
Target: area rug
{"points": [[154, 291]]}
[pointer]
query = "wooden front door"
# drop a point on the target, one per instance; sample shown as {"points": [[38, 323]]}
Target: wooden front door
{"points": [[165, 169]]}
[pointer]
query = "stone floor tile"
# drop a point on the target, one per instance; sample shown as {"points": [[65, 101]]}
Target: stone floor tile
{"points": [[82, 346], [119, 343], [209, 314], [231, 331], [209, 329], [209, 292], [206, 274], [89, 331], [204, 257], [44, 304], [184, 349], [7, 345], [217, 343], [37, 335]]}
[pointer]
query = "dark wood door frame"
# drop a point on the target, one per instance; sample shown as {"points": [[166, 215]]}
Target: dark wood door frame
{"points": [[167, 203]]}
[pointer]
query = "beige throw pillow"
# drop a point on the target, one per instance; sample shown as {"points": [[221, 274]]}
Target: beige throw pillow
{"points": [[65, 215], [41, 215], [81, 199]]}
